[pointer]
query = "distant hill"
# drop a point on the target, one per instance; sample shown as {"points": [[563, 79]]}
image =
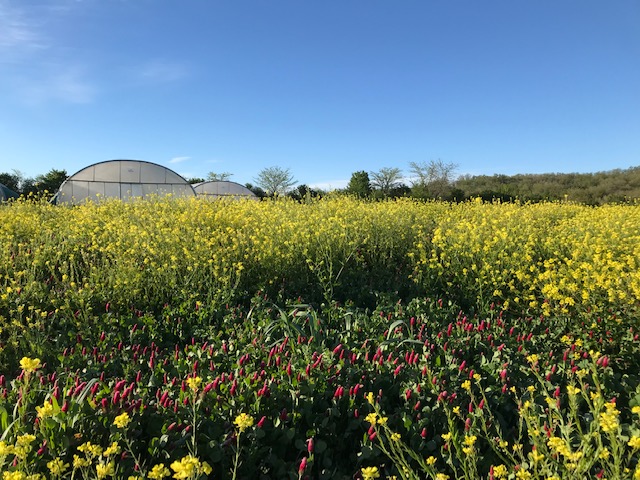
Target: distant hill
{"points": [[590, 188]]}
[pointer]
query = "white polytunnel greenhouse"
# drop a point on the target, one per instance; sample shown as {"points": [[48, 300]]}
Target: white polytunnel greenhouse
{"points": [[224, 189], [122, 179]]}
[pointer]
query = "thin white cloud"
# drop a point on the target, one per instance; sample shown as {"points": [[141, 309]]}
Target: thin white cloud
{"points": [[36, 70], [179, 159], [160, 71], [18, 33], [330, 185], [58, 83]]}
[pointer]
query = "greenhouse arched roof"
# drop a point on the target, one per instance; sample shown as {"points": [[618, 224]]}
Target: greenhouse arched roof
{"points": [[223, 189], [122, 179]]}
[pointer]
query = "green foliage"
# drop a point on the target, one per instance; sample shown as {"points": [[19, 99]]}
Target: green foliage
{"points": [[589, 188], [194, 180], [359, 184], [13, 180], [46, 184]]}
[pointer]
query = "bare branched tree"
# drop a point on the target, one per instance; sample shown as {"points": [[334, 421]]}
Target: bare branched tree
{"points": [[386, 179], [275, 180], [433, 178]]}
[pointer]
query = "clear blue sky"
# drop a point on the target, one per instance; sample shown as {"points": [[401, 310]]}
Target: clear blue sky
{"points": [[324, 88]]}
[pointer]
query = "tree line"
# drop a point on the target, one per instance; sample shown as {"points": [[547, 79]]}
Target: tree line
{"points": [[434, 179]]}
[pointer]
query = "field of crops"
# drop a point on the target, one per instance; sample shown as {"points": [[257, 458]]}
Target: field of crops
{"points": [[333, 339]]}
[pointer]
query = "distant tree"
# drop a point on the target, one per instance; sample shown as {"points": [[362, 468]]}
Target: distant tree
{"points": [[195, 180], [386, 179], [48, 183], [260, 193], [302, 192], [433, 179], [275, 180], [401, 190], [359, 185], [219, 177], [12, 180], [588, 188]]}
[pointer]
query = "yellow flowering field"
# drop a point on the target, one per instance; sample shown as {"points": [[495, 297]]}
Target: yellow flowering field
{"points": [[334, 338]]}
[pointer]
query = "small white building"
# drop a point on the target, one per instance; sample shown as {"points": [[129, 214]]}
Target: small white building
{"points": [[224, 189]]}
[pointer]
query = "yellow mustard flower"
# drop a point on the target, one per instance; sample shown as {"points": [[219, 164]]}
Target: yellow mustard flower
{"points": [[194, 383], [158, 472], [26, 439], [243, 421], [90, 449], [113, 449], [536, 456], [122, 420], [470, 440], [15, 475], [5, 449], [30, 364], [189, 467], [57, 466], [46, 410], [371, 418], [609, 418], [500, 471], [571, 390], [369, 473], [105, 470], [79, 462]]}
